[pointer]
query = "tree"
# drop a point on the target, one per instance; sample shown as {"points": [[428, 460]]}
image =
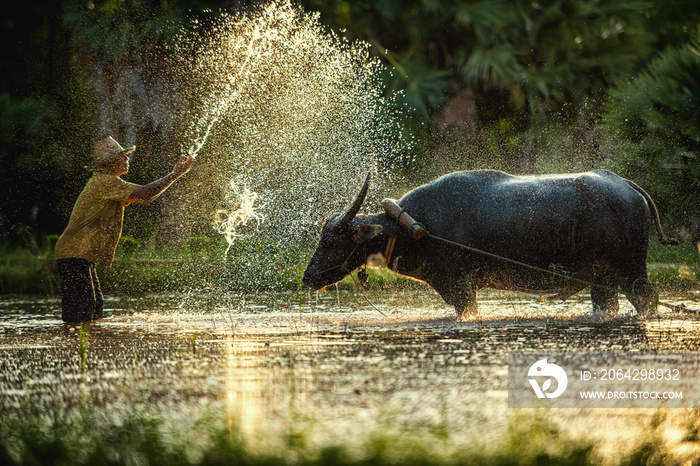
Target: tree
{"points": [[45, 116], [48, 103], [653, 123], [536, 58]]}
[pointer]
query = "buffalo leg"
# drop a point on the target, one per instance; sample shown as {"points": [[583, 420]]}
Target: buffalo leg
{"points": [[464, 299], [604, 298], [459, 293], [641, 295], [466, 305]]}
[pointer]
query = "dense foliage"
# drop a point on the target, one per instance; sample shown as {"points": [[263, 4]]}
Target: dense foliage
{"points": [[654, 126], [524, 56]]}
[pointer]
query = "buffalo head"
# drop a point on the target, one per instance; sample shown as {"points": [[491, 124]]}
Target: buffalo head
{"points": [[339, 250]]}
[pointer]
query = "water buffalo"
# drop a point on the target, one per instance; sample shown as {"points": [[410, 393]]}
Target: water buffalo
{"points": [[591, 226]]}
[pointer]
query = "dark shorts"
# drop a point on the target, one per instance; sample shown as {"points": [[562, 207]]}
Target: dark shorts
{"points": [[81, 299]]}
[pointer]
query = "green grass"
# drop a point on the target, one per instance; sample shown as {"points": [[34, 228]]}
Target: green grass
{"points": [[22, 272], [674, 269], [144, 438], [84, 437], [686, 253]]}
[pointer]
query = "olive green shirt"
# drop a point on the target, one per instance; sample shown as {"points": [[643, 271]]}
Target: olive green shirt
{"points": [[96, 222]]}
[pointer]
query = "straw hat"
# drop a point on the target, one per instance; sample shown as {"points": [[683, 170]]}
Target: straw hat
{"points": [[105, 149]]}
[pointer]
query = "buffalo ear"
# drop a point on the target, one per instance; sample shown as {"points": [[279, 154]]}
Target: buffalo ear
{"points": [[366, 233]]}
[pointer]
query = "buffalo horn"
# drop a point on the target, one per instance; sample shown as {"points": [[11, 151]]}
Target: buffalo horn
{"points": [[355, 208]]}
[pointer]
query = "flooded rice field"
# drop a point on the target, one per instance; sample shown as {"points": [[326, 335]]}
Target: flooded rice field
{"points": [[335, 366]]}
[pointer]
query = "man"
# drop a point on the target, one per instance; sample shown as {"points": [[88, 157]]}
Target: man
{"points": [[95, 226]]}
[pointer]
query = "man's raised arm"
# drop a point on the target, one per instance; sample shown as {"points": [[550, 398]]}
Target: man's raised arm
{"points": [[147, 193]]}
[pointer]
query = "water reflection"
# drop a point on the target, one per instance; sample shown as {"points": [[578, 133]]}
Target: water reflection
{"points": [[332, 372], [244, 384]]}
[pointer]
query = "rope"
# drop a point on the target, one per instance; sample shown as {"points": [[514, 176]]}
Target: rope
{"points": [[360, 282], [676, 308], [389, 251], [362, 292]]}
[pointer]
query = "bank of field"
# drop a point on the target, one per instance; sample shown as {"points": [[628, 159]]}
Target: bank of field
{"points": [[257, 265]]}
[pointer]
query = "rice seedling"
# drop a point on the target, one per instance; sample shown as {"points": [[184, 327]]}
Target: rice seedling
{"points": [[83, 339]]}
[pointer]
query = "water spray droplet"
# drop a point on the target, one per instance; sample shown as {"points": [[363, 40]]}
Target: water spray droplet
{"points": [[279, 104]]}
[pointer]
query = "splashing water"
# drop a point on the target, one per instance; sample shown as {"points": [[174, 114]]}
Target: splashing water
{"points": [[286, 108], [229, 223], [242, 51]]}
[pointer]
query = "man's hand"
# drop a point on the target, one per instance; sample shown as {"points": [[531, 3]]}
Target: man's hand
{"points": [[147, 193], [183, 165]]}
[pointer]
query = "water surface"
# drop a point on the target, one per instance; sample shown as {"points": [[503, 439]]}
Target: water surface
{"points": [[336, 366]]}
